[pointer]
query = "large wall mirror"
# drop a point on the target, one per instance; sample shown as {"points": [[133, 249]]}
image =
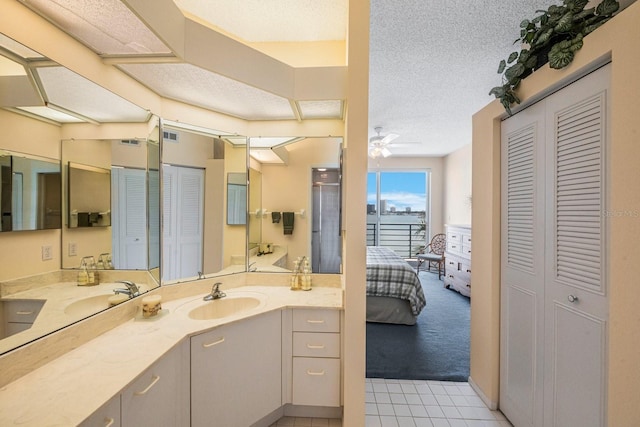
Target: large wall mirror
{"points": [[55, 141], [30, 192], [294, 203], [112, 200], [200, 168]]}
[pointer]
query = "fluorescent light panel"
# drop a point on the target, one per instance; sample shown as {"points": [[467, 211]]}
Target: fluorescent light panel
{"points": [[330, 109], [105, 26]]}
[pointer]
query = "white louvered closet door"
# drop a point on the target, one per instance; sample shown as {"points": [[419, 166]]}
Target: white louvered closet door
{"points": [[576, 294], [554, 297], [522, 291]]}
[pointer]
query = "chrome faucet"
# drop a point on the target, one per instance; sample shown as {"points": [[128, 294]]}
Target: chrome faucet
{"points": [[252, 266], [201, 276], [216, 293], [132, 289]]}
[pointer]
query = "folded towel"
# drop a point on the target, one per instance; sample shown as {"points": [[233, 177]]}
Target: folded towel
{"points": [[275, 217], [287, 222]]}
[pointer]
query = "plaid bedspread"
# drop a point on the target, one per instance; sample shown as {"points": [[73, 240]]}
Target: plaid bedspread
{"points": [[388, 275]]}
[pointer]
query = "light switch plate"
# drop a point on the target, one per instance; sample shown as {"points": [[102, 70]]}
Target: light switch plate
{"points": [[73, 249], [47, 253]]}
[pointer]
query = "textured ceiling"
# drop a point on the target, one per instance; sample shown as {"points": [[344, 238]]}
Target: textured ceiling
{"points": [[432, 64], [282, 20]]}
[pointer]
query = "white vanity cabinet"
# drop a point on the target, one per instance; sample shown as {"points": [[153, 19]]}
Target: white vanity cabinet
{"points": [[316, 357], [19, 315], [107, 416], [157, 397], [236, 372], [160, 395]]}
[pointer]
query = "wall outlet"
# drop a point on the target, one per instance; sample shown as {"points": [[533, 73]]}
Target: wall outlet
{"points": [[47, 253], [73, 249]]}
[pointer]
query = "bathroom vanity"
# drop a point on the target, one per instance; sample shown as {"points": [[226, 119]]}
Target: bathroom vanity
{"points": [[262, 353]]}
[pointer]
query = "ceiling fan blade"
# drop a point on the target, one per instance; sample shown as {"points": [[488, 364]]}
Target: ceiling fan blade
{"points": [[385, 152], [387, 139]]}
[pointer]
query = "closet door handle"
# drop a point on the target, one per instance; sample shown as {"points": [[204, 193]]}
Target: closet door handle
{"points": [[211, 344], [154, 380]]}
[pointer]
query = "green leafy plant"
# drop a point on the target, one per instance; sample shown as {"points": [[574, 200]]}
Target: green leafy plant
{"points": [[552, 37]]}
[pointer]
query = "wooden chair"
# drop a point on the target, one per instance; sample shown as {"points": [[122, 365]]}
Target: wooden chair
{"points": [[433, 254]]}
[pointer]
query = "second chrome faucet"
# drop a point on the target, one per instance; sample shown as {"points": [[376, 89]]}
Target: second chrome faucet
{"points": [[216, 293]]}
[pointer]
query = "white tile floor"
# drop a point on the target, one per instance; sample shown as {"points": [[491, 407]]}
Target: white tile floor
{"points": [[416, 403], [419, 403]]}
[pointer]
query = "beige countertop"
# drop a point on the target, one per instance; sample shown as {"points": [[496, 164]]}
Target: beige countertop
{"points": [[57, 297], [68, 389]]}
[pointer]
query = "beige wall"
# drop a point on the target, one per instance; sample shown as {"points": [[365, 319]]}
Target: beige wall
{"points": [[457, 186], [436, 166], [619, 38], [287, 188]]}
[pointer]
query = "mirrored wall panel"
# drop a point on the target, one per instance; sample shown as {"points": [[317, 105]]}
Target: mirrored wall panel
{"points": [[294, 204], [204, 199]]}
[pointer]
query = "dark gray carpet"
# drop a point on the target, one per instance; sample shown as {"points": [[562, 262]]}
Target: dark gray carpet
{"points": [[435, 348]]}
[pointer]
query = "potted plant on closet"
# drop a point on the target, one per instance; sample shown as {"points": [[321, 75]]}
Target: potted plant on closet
{"points": [[553, 37]]}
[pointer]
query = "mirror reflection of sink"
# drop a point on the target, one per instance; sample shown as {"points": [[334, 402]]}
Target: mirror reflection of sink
{"points": [[90, 305], [224, 307]]}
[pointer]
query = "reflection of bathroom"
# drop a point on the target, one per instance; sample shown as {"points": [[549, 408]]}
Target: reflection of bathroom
{"points": [[312, 200]]}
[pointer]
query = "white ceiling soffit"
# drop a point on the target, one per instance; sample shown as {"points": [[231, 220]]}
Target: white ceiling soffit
{"points": [[269, 21], [269, 156], [72, 92], [106, 26], [18, 49], [193, 85]]}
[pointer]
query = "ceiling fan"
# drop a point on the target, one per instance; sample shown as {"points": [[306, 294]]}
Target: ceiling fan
{"points": [[378, 144]]}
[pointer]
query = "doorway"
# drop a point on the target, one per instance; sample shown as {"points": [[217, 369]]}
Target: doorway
{"points": [[325, 234]]}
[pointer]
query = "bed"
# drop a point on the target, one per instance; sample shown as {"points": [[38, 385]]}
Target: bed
{"points": [[394, 293]]}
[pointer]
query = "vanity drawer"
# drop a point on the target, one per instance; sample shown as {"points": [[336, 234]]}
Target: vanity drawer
{"points": [[311, 320], [22, 311], [316, 381], [313, 344]]}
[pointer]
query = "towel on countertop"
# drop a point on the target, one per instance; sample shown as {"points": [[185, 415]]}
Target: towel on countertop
{"points": [[275, 217], [287, 222]]}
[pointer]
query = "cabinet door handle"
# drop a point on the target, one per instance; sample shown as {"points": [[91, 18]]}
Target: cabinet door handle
{"points": [[317, 374], [109, 422], [154, 380], [315, 346], [24, 313], [315, 321], [468, 271], [211, 344]]}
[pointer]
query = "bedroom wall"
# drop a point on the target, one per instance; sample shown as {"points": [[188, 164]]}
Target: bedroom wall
{"points": [[435, 165], [619, 39], [457, 186]]}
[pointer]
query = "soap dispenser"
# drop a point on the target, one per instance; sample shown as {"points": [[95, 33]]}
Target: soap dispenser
{"points": [[83, 275]]}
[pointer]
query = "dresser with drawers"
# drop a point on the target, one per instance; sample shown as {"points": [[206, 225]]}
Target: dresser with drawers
{"points": [[458, 259]]}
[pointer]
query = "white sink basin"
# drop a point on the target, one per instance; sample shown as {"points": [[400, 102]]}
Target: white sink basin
{"points": [[224, 307], [90, 305]]}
